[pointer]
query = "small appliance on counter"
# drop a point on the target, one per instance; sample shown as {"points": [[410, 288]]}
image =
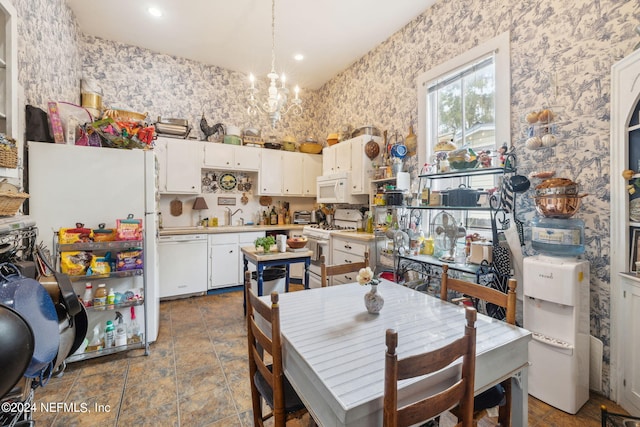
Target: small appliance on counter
{"points": [[302, 217]]}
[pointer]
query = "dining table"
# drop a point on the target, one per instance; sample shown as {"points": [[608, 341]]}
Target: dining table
{"points": [[334, 350]]}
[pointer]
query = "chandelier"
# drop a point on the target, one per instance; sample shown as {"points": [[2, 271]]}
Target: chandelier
{"points": [[275, 105]]}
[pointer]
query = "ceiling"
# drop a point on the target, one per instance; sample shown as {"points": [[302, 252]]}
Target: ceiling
{"points": [[236, 34]]}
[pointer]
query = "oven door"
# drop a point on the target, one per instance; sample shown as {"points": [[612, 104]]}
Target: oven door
{"points": [[319, 247]]}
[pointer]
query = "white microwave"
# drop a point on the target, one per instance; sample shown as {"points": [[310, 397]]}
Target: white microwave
{"points": [[336, 188]]}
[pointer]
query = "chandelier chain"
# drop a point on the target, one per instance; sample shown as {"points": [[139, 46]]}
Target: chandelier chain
{"points": [[273, 36]]}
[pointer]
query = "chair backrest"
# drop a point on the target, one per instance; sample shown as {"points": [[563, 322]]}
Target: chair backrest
{"points": [[474, 290], [259, 344], [332, 270], [421, 364]]}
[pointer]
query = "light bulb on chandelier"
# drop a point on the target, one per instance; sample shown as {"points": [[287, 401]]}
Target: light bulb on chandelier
{"points": [[276, 104]]}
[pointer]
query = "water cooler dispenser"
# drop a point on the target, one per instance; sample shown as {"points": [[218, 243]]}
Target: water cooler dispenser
{"points": [[556, 311]]}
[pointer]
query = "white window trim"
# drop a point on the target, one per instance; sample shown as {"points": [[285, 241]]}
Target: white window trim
{"points": [[501, 46]]}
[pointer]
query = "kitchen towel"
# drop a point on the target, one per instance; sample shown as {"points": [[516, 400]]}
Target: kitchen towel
{"points": [[313, 247]]}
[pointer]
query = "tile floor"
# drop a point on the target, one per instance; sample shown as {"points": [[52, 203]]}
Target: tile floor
{"points": [[196, 375]]}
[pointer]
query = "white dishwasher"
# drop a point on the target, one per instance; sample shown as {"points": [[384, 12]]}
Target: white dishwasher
{"points": [[182, 265]]}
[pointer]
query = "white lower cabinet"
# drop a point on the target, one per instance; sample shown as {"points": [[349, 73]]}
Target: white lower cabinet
{"points": [[347, 250], [223, 260], [226, 267]]}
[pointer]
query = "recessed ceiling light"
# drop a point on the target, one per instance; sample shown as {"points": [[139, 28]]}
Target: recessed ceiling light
{"points": [[298, 57], [154, 11]]}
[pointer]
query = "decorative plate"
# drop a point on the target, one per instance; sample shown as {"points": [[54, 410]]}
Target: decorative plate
{"points": [[634, 210], [227, 181]]}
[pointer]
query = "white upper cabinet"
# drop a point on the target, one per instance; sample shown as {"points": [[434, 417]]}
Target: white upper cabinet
{"points": [[349, 156], [232, 157], [271, 172], [312, 168], [292, 176], [361, 165], [336, 158], [180, 162]]}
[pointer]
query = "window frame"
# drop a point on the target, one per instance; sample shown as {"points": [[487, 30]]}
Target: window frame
{"points": [[498, 46], [501, 46]]}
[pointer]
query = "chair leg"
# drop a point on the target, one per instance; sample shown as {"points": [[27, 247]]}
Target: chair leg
{"points": [[504, 412]]}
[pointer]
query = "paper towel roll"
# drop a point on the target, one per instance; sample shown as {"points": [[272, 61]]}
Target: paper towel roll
{"points": [[403, 181]]}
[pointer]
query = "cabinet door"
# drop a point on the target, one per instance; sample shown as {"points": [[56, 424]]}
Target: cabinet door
{"points": [[271, 173], [631, 329], [219, 155], [292, 171], [184, 163], [329, 160], [225, 264], [357, 167], [161, 154], [247, 158], [312, 164], [343, 156]]}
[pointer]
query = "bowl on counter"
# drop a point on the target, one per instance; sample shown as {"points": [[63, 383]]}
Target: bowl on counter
{"points": [[297, 242]]}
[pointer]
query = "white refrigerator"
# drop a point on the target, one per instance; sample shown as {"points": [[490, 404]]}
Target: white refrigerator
{"points": [[71, 184]]}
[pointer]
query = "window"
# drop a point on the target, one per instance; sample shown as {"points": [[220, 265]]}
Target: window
{"points": [[466, 101]]}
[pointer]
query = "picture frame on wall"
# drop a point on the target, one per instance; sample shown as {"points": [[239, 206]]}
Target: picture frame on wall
{"points": [[634, 261]]}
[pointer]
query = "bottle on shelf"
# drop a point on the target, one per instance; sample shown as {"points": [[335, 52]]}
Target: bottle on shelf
{"points": [[273, 216], [133, 331], [100, 297], [111, 298], [87, 298], [160, 220], [121, 331], [96, 342], [109, 335]]}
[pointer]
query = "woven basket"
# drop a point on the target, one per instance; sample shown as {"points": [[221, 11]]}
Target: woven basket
{"points": [[9, 157], [11, 202]]}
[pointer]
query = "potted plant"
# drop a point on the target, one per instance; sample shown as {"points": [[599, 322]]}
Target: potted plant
{"points": [[265, 243]]}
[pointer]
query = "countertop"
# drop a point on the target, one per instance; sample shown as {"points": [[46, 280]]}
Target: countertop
{"points": [[358, 235], [173, 231]]}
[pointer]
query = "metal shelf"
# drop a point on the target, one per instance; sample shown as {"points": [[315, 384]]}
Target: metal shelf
{"points": [[468, 172], [105, 351], [99, 246], [112, 275], [116, 307]]}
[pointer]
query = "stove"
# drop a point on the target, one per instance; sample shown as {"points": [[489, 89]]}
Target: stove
{"points": [[344, 220], [319, 237]]}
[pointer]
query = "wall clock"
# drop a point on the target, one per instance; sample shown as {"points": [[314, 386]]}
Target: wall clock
{"points": [[227, 181]]}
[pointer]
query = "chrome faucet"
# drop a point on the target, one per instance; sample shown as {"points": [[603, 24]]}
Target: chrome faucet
{"points": [[229, 215]]}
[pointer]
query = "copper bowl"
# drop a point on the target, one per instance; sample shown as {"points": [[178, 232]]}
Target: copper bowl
{"points": [[558, 206], [296, 244]]}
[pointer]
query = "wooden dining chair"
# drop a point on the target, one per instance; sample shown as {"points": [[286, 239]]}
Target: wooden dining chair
{"points": [[460, 393], [268, 381], [497, 394], [333, 270]]}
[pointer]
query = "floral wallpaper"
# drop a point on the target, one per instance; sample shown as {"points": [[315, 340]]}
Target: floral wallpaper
{"points": [[140, 80], [561, 55], [49, 57]]}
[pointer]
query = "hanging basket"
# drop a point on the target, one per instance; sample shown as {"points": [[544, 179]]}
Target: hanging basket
{"points": [[9, 157], [10, 202]]}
